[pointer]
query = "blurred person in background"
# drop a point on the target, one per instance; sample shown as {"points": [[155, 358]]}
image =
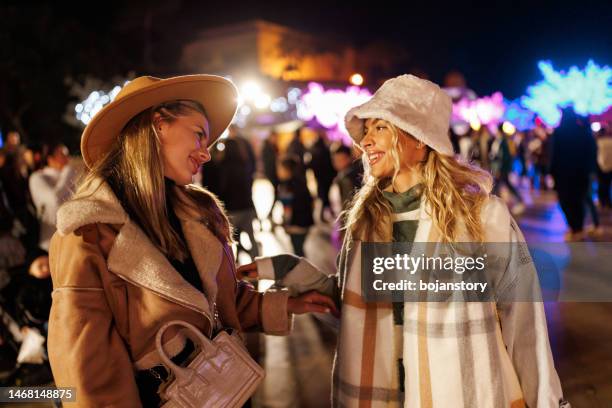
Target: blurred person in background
{"points": [[34, 294], [350, 173], [235, 185], [33, 298], [481, 144], [297, 202], [455, 138], [296, 147], [38, 157], [13, 142], [14, 177], [540, 149], [246, 150], [573, 160], [50, 187], [210, 172], [520, 141], [269, 157], [321, 164], [604, 167], [594, 230], [502, 159], [12, 250]]}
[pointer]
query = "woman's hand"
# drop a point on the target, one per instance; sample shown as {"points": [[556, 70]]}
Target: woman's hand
{"points": [[312, 301], [247, 271], [39, 268]]}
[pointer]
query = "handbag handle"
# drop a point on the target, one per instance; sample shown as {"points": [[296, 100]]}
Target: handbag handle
{"points": [[183, 375]]}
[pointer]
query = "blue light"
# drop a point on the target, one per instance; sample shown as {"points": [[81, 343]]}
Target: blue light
{"points": [[587, 91], [521, 118]]}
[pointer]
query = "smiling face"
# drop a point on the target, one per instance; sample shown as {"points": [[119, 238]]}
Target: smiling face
{"points": [[184, 142], [379, 146]]}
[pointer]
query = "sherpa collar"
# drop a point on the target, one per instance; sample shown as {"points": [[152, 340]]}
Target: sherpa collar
{"points": [[134, 258]]}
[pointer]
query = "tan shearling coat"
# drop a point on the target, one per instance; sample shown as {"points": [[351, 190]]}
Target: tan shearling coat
{"points": [[113, 289]]}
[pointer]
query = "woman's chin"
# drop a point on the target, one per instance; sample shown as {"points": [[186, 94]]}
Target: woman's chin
{"points": [[186, 181], [379, 173], [182, 180]]}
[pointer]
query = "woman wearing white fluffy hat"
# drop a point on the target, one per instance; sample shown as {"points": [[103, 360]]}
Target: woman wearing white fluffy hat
{"points": [[427, 354]]}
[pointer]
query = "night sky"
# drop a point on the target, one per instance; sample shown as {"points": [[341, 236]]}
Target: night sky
{"points": [[496, 46]]}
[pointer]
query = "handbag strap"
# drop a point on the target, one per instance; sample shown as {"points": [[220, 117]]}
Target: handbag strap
{"points": [[181, 373], [217, 326]]}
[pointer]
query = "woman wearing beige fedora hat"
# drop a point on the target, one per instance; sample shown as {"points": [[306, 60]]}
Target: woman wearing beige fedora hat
{"points": [[138, 246], [427, 353]]}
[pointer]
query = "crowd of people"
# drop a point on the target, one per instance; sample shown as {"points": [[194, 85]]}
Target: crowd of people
{"points": [[572, 159], [35, 181], [232, 170]]}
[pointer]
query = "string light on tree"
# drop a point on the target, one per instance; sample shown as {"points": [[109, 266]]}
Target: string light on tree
{"points": [[587, 91], [96, 100]]}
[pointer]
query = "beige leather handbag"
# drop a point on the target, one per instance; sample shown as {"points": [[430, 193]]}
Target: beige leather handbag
{"points": [[222, 374]]}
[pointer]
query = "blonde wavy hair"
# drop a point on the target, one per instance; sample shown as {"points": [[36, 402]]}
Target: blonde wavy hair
{"points": [[133, 168], [455, 191]]}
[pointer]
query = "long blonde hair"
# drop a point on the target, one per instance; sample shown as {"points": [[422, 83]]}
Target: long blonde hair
{"points": [[133, 168], [455, 191]]}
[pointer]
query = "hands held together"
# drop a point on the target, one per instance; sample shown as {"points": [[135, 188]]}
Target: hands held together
{"points": [[308, 302]]}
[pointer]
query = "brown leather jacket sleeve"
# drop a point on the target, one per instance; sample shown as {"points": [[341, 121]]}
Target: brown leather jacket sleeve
{"points": [[264, 311], [246, 308], [85, 350]]}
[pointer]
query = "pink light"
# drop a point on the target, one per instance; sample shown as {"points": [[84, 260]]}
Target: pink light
{"points": [[330, 106], [605, 117], [488, 110]]}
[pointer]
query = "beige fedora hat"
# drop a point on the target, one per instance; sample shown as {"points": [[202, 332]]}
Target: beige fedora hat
{"points": [[216, 94]]}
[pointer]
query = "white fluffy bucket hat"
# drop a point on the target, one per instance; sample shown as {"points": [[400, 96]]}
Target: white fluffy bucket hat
{"points": [[416, 106]]}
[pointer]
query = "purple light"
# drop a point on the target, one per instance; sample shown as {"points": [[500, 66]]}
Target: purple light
{"points": [[488, 111], [328, 107]]}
